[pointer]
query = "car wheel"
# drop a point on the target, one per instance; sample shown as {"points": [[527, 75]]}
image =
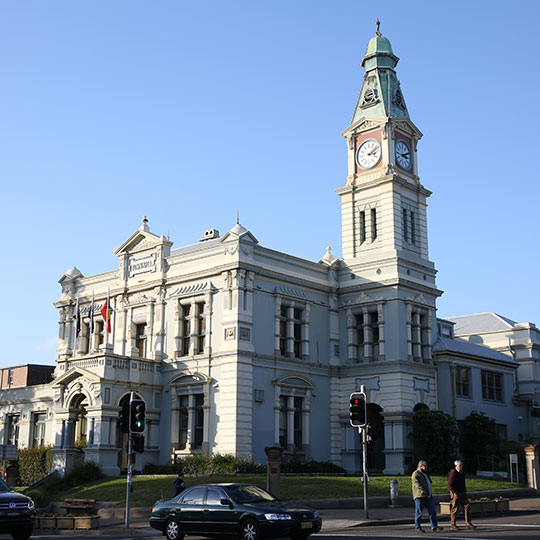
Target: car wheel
{"points": [[249, 530], [22, 535], [172, 530]]}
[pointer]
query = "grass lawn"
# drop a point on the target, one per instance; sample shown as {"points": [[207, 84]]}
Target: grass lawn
{"points": [[148, 489]]}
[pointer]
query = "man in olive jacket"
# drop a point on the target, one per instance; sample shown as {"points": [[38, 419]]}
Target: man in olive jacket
{"points": [[423, 497], [458, 494]]}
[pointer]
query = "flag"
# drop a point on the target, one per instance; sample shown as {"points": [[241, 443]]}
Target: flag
{"points": [[77, 317], [106, 313], [91, 316]]}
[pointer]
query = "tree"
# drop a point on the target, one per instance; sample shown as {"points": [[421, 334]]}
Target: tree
{"points": [[478, 436], [436, 436]]}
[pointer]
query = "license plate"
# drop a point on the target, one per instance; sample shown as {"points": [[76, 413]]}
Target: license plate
{"points": [[13, 513], [306, 525]]}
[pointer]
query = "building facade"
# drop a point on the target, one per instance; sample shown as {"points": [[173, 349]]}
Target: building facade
{"points": [[235, 347]]}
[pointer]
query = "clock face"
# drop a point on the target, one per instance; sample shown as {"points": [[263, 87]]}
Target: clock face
{"points": [[403, 154], [368, 154]]}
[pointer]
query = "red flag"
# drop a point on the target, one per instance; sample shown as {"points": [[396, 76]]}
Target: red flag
{"points": [[106, 314]]}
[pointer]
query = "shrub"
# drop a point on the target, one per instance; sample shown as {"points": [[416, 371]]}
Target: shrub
{"points": [[34, 464], [311, 467], [197, 464], [88, 472], [478, 438], [435, 436]]}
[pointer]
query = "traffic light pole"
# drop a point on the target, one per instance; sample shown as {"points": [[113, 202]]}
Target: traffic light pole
{"points": [[128, 488], [365, 477]]}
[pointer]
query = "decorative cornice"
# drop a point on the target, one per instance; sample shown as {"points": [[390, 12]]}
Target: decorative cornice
{"points": [[294, 293], [189, 290], [363, 299]]}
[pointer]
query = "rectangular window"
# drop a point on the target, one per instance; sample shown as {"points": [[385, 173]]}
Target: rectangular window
{"points": [[491, 386], [201, 327], [297, 325], [184, 422], [85, 337], [373, 224], [186, 329], [286, 429], [362, 227], [290, 332], [412, 226], [12, 429], [406, 225], [38, 429], [11, 375], [283, 420], [463, 378], [100, 327], [199, 420], [298, 423], [140, 339]]}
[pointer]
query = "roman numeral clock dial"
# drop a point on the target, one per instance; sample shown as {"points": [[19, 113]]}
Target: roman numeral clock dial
{"points": [[368, 154], [403, 154]]}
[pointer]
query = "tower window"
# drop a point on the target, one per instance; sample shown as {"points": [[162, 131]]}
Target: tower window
{"points": [[373, 224], [362, 227], [406, 224], [413, 238]]}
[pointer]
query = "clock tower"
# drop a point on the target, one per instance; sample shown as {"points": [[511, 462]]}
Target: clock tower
{"points": [[384, 204], [387, 282]]}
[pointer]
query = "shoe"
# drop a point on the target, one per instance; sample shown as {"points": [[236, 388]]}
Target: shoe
{"points": [[471, 526], [420, 530], [456, 528], [436, 529]]}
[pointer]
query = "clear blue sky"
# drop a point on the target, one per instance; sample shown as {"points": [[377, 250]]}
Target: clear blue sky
{"points": [[188, 111]]}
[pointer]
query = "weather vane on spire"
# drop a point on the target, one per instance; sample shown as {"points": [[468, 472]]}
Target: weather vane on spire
{"points": [[238, 217], [378, 23]]}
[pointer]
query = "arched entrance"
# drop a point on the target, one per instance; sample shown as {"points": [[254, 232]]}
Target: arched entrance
{"points": [[375, 447], [78, 417]]}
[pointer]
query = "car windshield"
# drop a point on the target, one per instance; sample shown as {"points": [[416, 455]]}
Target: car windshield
{"points": [[4, 486], [249, 494]]}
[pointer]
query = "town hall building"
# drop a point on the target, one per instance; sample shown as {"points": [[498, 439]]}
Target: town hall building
{"points": [[235, 347]]}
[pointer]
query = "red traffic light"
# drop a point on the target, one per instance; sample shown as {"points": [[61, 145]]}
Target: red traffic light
{"points": [[357, 410]]}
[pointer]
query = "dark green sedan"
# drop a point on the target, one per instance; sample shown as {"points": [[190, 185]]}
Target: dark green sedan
{"points": [[232, 510]]}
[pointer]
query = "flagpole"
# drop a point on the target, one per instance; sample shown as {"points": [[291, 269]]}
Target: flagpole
{"points": [[108, 313]]}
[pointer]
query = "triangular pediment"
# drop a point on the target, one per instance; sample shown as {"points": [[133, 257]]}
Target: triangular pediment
{"points": [[142, 241], [75, 373]]}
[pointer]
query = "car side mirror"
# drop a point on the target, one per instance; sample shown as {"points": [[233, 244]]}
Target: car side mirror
{"points": [[226, 502]]}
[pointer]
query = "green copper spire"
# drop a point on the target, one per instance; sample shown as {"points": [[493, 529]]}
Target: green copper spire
{"points": [[381, 93]]}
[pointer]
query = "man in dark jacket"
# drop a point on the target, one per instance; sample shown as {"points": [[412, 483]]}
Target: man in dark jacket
{"points": [[458, 494], [179, 484]]}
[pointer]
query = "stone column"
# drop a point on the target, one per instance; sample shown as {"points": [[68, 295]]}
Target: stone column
{"points": [[273, 469], [277, 326], [290, 331], [532, 461], [352, 346], [380, 314], [290, 422]]}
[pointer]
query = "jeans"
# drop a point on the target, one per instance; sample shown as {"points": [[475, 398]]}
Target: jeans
{"points": [[419, 505]]}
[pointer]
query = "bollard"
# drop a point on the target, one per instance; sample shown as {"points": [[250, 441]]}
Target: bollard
{"points": [[394, 493]]}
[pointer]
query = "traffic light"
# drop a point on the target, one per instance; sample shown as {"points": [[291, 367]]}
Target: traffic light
{"points": [[357, 409], [138, 444], [137, 416], [124, 417]]}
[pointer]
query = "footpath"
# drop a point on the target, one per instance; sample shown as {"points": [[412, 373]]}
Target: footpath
{"points": [[336, 518]]}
